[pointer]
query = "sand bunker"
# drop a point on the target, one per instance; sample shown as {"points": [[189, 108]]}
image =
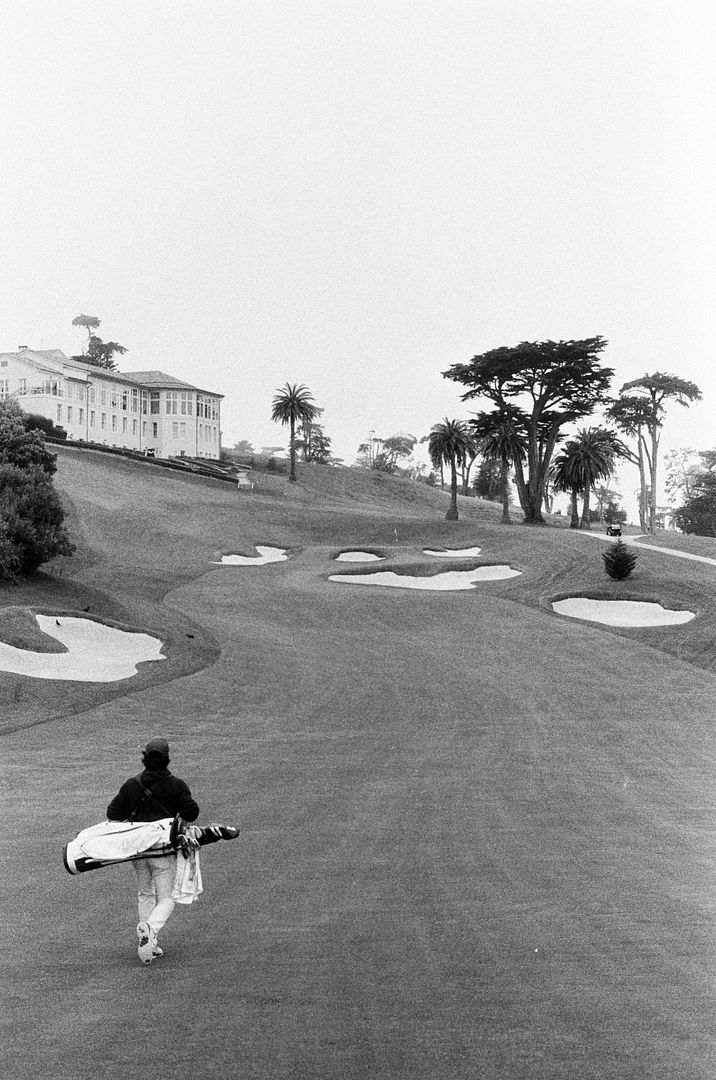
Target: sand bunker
{"points": [[359, 556], [454, 553], [265, 555], [621, 612], [450, 581], [95, 652]]}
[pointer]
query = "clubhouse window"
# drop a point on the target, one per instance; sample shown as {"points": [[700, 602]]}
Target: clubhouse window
{"points": [[124, 425], [103, 421], [69, 414], [155, 430], [114, 422], [59, 412], [92, 417], [154, 403], [175, 430], [172, 402]]}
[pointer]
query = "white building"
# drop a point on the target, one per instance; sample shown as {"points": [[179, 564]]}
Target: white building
{"points": [[136, 410]]}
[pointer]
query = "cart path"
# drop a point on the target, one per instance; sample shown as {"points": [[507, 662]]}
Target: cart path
{"points": [[635, 541]]}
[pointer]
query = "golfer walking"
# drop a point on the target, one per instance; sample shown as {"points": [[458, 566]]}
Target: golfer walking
{"points": [[152, 795]]}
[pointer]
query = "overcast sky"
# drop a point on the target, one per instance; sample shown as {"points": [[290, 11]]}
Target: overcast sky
{"points": [[356, 195]]}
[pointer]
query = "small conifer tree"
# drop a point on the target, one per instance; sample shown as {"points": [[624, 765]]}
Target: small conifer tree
{"points": [[618, 561]]}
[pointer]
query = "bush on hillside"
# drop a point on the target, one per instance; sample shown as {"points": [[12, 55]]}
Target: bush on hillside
{"points": [[31, 516], [276, 465], [10, 562], [31, 513], [34, 422], [619, 561], [20, 447]]}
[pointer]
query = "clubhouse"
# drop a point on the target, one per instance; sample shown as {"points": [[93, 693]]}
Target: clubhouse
{"points": [[148, 411]]}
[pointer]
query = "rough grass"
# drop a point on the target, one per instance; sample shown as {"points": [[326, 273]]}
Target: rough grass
{"points": [[477, 838]]}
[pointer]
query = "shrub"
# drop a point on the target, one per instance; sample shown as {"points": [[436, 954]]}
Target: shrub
{"points": [[20, 447], [618, 561], [35, 422], [10, 563], [31, 517]]}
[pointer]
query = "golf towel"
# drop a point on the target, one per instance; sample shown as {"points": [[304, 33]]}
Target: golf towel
{"points": [[187, 883]]}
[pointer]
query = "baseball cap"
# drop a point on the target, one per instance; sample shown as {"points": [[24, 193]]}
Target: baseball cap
{"points": [[157, 748]]}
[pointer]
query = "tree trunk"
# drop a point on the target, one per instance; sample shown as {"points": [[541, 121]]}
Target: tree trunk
{"points": [[292, 451], [642, 484], [548, 499], [535, 484], [504, 483], [585, 508], [521, 487], [652, 501], [452, 511], [467, 467], [574, 519]]}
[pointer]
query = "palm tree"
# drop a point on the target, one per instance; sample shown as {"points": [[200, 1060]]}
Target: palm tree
{"points": [[450, 442], [291, 404], [588, 457], [564, 473], [499, 439]]}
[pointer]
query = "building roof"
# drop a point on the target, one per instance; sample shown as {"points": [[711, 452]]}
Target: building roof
{"points": [[160, 379], [146, 379]]}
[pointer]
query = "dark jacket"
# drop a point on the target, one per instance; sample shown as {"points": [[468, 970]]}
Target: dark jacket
{"points": [[170, 796]]}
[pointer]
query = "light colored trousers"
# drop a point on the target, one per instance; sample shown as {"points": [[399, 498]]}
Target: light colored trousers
{"points": [[155, 884]]}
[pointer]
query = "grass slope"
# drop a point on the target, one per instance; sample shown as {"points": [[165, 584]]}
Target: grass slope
{"points": [[477, 838]]}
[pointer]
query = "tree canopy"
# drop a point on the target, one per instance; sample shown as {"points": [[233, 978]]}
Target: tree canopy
{"points": [[640, 411], [450, 442], [697, 514], [99, 353], [498, 438], [293, 404], [90, 323], [543, 385], [590, 456]]}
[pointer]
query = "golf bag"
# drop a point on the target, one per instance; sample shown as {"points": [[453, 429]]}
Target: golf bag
{"points": [[112, 842]]}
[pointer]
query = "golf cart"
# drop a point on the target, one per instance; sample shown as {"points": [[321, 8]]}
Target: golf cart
{"points": [[614, 530]]}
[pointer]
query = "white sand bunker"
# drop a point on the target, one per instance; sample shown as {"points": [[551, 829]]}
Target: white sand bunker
{"points": [[95, 652], [621, 612], [359, 556], [449, 582], [265, 555], [454, 553]]}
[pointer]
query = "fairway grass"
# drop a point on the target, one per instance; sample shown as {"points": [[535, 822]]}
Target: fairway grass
{"points": [[477, 838]]}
